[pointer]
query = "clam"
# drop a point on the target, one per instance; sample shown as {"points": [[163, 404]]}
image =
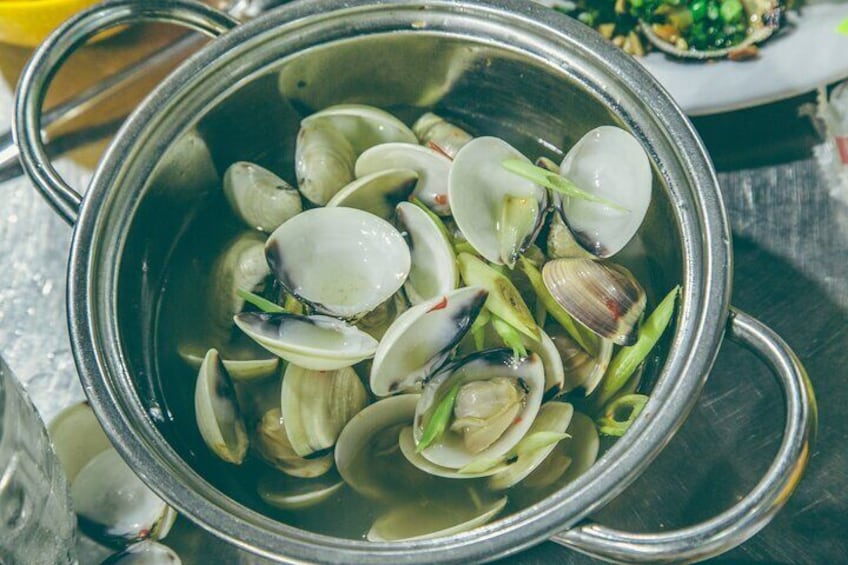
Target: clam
{"points": [[548, 429], [362, 126], [433, 272], [496, 399], [261, 199], [602, 296], [145, 552], [219, 418], [316, 405], [368, 455], [319, 343], [364, 260], [432, 168], [272, 444], [609, 163], [582, 369], [406, 442], [289, 493], [545, 347], [240, 370], [561, 242], [422, 338], [324, 161], [425, 520], [499, 212], [77, 438], [571, 457], [437, 133], [378, 321], [377, 193], [114, 506], [242, 265], [763, 18]]}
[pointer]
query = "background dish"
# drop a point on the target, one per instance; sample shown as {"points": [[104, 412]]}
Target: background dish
{"points": [[807, 54]]}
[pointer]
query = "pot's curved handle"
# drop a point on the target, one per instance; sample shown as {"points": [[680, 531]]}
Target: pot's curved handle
{"points": [[49, 57], [754, 511]]}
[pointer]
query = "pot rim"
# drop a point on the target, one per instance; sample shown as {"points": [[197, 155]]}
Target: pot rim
{"points": [[704, 303]]}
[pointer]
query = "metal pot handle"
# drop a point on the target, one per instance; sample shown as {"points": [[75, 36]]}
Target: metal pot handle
{"points": [[49, 57], [754, 511]]}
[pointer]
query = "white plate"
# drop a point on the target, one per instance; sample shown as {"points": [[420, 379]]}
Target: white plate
{"points": [[808, 54]]}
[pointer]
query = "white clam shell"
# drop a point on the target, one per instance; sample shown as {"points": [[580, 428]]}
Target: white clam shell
{"points": [[218, 414], [319, 343], [582, 370], [324, 161], [418, 521], [434, 270], [367, 454], [377, 193], [363, 126], [145, 552], [316, 405], [421, 338], [261, 199], [610, 163], [449, 451], [240, 370], [271, 443], [432, 167], [572, 456], [342, 261], [553, 417], [288, 493], [114, 505], [77, 438], [437, 133], [478, 187], [408, 448]]}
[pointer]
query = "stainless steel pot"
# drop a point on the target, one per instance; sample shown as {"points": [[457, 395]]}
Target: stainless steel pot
{"points": [[499, 65]]}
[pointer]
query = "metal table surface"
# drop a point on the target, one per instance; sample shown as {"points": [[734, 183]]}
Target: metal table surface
{"points": [[791, 271]]}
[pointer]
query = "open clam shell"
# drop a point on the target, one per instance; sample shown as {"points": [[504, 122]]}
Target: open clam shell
{"points": [[602, 296], [319, 343], [499, 212], [572, 456], [363, 126], [289, 493], [582, 370], [610, 163], [433, 272], [316, 405], [114, 506], [77, 438], [240, 370], [432, 168], [261, 199], [368, 454], [218, 414], [482, 380], [377, 193], [272, 444], [342, 261], [324, 161], [422, 338], [548, 429], [418, 521], [145, 552]]}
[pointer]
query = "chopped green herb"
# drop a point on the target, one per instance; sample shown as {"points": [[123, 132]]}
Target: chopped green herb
{"points": [[439, 419], [262, 303], [620, 414], [511, 337]]}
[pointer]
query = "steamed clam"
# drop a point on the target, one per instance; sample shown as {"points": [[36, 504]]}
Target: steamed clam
{"points": [[112, 504], [412, 362], [261, 199]]}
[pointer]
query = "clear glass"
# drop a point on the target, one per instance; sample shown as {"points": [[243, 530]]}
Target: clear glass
{"points": [[37, 525]]}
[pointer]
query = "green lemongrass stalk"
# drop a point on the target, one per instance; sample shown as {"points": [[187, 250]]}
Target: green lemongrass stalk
{"points": [[504, 299], [262, 303], [511, 337], [556, 182], [439, 419], [478, 328], [628, 359], [620, 414]]}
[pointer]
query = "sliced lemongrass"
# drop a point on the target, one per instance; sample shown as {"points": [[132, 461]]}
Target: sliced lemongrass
{"points": [[620, 414], [504, 299], [511, 337], [262, 303], [556, 182], [439, 419], [628, 359]]}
